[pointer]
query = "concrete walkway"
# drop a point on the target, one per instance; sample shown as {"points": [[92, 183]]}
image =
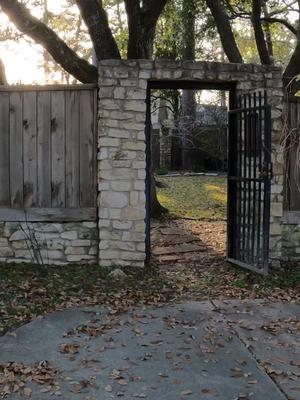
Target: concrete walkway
{"points": [[204, 350]]}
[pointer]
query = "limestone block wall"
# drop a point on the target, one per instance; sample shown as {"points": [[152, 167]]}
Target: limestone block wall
{"points": [[291, 242], [122, 159], [122, 164], [49, 243]]}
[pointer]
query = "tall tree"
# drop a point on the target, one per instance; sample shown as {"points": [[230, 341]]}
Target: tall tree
{"points": [[188, 96], [261, 43], [255, 11], [223, 25]]}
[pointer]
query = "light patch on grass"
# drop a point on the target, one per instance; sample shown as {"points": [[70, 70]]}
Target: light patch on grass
{"points": [[217, 193], [201, 197]]}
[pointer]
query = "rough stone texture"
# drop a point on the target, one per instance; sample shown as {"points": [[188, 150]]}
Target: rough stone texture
{"points": [[291, 242], [49, 243], [122, 159]]}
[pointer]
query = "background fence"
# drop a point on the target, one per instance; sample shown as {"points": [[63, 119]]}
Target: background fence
{"points": [[48, 153], [292, 195]]}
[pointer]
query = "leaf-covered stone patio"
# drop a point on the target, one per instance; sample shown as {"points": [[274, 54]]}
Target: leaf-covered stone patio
{"points": [[216, 350]]}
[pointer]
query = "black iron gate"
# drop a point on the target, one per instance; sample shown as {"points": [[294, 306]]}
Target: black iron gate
{"points": [[249, 182]]}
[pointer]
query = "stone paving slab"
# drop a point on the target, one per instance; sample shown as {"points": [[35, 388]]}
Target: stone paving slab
{"points": [[196, 350], [271, 332]]}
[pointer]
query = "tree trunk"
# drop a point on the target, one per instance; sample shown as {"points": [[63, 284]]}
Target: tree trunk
{"points": [[141, 31], [225, 31], [157, 211], [96, 21], [141, 24], [259, 33], [293, 68], [188, 96], [268, 32], [3, 80]]}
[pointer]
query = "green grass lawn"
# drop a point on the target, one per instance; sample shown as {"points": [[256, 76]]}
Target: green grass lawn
{"points": [[197, 197]]}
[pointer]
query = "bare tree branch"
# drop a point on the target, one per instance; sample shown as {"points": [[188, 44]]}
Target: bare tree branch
{"points": [[273, 20], [42, 34], [96, 21]]}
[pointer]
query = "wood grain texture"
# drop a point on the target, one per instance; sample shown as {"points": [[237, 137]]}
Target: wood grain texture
{"points": [[58, 162], [87, 149], [48, 148], [4, 150], [48, 214], [30, 148], [44, 148], [16, 150], [46, 88], [72, 148]]}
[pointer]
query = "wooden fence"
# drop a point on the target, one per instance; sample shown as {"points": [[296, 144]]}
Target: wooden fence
{"points": [[292, 195], [48, 153]]}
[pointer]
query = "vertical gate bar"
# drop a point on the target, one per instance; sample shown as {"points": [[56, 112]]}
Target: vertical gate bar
{"points": [[232, 211], [260, 149], [253, 181], [255, 133], [249, 175], [244, 132], [239, 175], [148, 175], [267, 188]]}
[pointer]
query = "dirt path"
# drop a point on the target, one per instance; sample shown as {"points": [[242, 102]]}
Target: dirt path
{"points": [[188, 242]]}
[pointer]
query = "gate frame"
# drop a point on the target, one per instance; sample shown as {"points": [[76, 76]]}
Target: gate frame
{"points": [[231, 89], [246, 104], [122, 111]]}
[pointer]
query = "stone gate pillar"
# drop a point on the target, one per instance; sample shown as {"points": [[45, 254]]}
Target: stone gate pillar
{"points": [[122, 163]]}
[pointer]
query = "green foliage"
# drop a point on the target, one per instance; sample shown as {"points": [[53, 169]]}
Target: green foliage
{"points": [[168, 40], [169, 33], [161, 171], [289, 278]]}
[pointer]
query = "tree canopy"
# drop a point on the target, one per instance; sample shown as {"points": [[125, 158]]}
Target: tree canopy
{"points": [[265, 31]]}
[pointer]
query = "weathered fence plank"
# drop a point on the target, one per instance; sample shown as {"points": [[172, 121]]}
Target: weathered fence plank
{"points": [[47, 214], [4, 150], [58, 149], [87, 144], [48, 152], [30, 149], [72, 149], [43, 149], [16, 149]]}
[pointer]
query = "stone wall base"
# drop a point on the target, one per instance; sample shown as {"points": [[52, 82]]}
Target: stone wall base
{"points": [[291, 242], [49, 243]]}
